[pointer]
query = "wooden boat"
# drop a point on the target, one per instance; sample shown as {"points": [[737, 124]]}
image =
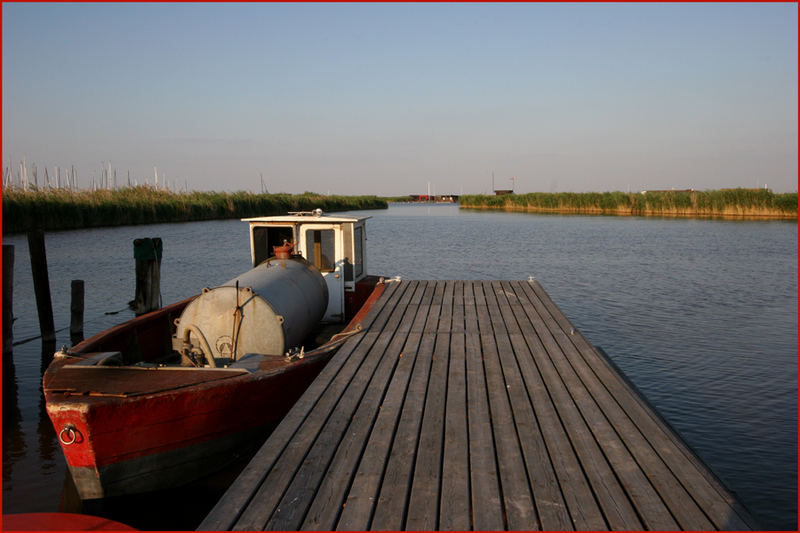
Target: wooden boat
{"points": [[171, 396], [60, 522]]}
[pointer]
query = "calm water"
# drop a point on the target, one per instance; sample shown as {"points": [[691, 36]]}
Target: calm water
{"points": [[701, 315]]}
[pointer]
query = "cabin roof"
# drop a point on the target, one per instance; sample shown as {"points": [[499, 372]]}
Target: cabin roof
{"points": [[308, 217]]}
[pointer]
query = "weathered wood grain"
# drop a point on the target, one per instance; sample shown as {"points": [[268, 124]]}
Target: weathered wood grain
{"points": [[423, 503], [454, 507], [487, 506], [361, 499], [473, 405], [226, 513]]}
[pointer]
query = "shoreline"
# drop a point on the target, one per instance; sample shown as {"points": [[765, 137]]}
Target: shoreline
{"points": [[60, 209], [722, 203], [629, 213]]}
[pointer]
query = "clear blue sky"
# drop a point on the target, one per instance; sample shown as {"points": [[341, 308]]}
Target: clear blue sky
{"points": [[385, 98]]}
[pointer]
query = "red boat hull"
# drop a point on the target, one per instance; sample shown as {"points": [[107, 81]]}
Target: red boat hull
{"points": [[155, 441], [154, 428], [60, 522]]}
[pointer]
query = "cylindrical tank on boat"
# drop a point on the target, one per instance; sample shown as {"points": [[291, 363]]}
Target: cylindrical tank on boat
{"points": [[276, 306]]}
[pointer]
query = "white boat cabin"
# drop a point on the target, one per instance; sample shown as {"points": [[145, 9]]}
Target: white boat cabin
{"points": [[333, 244]]}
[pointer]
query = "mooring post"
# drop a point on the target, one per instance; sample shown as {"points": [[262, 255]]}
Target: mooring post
{"points": [[76, 312], [41, 285], [147, 253], [8, 298]]}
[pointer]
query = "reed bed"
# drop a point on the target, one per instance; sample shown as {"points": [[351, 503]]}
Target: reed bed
{"points": [[59, 209], [758, 203]]}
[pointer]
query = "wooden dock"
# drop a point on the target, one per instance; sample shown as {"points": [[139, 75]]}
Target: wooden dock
{"points": [[473, 405]]}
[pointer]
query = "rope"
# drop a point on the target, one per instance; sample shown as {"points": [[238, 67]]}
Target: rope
{"points": [[29, 339], [346, 334]]}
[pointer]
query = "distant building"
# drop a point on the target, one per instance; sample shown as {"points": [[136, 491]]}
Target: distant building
{"points": [[447, 199], [501, 192], [444, 198], [668, 190]]}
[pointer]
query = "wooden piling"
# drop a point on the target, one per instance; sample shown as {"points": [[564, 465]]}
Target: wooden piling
{"points": [[147, 253], [76, 311], [8, 297], [41, 285]]}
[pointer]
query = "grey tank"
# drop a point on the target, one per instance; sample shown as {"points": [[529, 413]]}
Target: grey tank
{"points": [[281, 301]]}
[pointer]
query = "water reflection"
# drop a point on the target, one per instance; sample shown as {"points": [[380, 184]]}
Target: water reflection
{"points": [[48, 445], [13, 439]]}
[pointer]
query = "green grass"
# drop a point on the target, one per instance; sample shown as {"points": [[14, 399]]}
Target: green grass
{"points": [[728, 202], [58, 209]]}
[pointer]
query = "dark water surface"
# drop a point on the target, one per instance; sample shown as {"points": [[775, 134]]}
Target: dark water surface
{"points": [[701, 315]]}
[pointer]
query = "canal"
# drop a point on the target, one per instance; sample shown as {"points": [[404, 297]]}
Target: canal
{"points": [[700, 314]]}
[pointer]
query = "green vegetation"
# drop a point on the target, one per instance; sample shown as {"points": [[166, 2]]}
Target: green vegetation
{"points": [[722, 203], [57, 209]]}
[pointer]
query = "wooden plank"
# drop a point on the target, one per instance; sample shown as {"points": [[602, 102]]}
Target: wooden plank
{"points": [[454, 504], [617, 509], [291, 510], [327, 503], [233, 503], [581, 504], [549, 501], [41, 285], [361, 499], [392, 502], [76, 308], [132, 381], [423, 503], [644, 424], [473, 405], [269, 495], [649, 505], [519, 510], [487, 505]]}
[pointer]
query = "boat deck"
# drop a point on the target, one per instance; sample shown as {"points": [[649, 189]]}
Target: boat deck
{"points": [[473, 405]]}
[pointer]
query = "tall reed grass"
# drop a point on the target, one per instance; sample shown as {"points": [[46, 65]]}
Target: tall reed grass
{"points": [[722, 203], [57, 209]]}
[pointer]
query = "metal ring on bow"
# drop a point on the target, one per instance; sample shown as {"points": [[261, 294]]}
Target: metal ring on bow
{"points": [[70, 431]]}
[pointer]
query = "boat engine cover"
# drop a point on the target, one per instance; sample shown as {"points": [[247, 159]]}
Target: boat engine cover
{"points": [[280, 303]]}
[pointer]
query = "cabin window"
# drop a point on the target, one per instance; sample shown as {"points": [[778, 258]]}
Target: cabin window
{"points": [[265, 237], [259, 244], [321, 249], [277, 235], [358, 238]]}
